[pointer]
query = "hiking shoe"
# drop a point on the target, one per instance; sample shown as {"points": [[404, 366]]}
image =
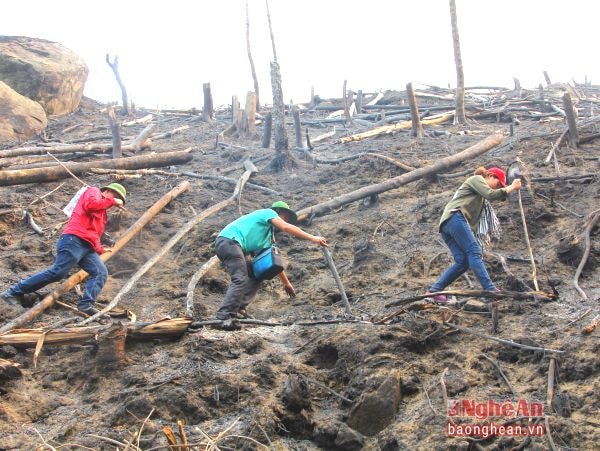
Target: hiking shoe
{"points": [[10, 298], [439, 298]]}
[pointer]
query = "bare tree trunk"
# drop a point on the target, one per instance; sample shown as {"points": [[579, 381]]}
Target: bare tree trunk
{"points": [[250, 115], [115, 68], [417, 127], [252, 69], [297, 128], [460, 78], [207, 111], [547, 78], [359, 98], [272, 37], [266, 139], [284, 158], [115, 129], [571, 120]]}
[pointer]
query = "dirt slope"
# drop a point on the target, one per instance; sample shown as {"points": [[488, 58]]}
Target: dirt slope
{"points": [[260, 385]]}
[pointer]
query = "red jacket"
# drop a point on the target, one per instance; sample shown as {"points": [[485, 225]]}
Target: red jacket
{"points": [[89, 217]]}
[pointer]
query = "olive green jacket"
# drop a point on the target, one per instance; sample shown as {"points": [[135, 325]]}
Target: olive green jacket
{"points": [[469, 199]]}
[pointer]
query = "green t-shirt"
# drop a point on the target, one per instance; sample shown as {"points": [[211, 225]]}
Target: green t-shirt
{"points": [[469, 199], [253, 231]]}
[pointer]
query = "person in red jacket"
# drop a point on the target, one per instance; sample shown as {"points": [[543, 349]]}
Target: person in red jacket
{"points": [[79, 245]]}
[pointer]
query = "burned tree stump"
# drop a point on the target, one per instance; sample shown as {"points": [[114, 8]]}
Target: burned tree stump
{"points": [[9, 370], [417, 127], [266, 139], [111, 348]]}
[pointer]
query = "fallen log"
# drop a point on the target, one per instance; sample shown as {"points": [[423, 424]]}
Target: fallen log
{"points": [[440, 165], [405, 125], [69, 283], [592, 221], [48, 174], [72, 335]]}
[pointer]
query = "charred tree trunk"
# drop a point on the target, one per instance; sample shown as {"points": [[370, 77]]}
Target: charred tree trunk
{"points": [[571, 120], [359, 98], [115, 68], [272, 37], [460, 78], [547, 78], [252, 69], [208, 110], [283, 159], [48, 174], [115, 129], [266, 139], [417, 127]]}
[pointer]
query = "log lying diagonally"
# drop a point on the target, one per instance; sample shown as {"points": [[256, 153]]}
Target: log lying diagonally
{"points": [[48, 174], [475, 150], [250, 168], [76, 278]]}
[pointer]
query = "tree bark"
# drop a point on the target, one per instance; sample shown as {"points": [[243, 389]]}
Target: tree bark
{"points": [[48, 174], [297, 128], [283, 158], [78, 277], [250, 116], [460, 78], [442, 164]]}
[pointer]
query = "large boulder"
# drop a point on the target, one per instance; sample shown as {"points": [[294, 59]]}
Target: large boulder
{"points": [[44, 71], [20, 117]]}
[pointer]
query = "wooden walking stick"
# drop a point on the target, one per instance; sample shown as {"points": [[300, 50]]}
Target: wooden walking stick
{"points": [[515, 171], [336, 276]]}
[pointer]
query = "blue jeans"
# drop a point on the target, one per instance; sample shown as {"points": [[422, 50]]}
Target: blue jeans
{"points": [[466, 252], [70, 251], [243, 286]]}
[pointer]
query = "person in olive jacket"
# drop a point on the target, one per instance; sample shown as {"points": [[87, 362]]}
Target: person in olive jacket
{"points": [[459, 219]]}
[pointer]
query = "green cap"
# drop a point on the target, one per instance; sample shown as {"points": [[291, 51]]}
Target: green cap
{"points": [[118, 189], [281, 205]]}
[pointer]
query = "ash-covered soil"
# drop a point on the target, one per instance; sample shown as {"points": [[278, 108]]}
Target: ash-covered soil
{"points": [[273, 387]]}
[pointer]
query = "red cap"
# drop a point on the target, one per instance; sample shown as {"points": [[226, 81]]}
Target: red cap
{"points": [[499, 174]]}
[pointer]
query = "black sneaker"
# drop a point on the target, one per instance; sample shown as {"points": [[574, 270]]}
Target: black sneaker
{"points": [[91, 310], [10, 298]]}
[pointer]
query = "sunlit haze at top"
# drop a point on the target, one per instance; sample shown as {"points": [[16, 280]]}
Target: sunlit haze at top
{"points": [[167, 50]]}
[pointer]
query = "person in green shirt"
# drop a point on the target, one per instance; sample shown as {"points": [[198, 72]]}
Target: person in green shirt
{"points": [[460, 218], [247, 236]]}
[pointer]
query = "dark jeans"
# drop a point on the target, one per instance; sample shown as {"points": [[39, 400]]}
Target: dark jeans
{"points": [[70, 251], [466, 252], [243, 286]]}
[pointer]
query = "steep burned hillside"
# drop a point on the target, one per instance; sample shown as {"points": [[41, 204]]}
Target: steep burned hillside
{"points": [[320, 379]]}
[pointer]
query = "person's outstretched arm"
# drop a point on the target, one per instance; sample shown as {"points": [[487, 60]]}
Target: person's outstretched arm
{"points": [[298, 232]]}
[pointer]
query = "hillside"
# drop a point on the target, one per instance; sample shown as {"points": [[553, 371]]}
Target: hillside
{"points": [[321, 379]]}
